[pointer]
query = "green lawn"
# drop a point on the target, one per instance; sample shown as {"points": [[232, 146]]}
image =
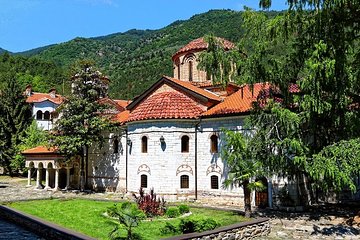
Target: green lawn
{"points": [[86, 216]]}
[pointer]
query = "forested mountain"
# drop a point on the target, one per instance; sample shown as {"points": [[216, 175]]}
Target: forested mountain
{"points": [[137, 58], [2, 50]]}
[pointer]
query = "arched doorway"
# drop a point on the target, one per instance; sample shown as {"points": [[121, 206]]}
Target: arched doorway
{"points": [[261, 197]]}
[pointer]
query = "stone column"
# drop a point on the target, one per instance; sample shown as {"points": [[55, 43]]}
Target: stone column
{"points": [[29, 177], [67, 178], [47, 179], [38, 178], [56, 188]]}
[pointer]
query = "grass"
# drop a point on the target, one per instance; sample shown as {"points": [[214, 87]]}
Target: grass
{"points": [[86, 216]]}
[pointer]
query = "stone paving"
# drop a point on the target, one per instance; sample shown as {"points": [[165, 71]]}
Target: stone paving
{"points": [[310, 225]]}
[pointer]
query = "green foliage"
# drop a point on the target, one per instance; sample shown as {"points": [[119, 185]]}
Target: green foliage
{"points": [[129, 216], [205, 224], [172, 212], [41, 74], [33, 137], [184, 209], [14, 119], [81, 123], [169, 229], [197, 224]]}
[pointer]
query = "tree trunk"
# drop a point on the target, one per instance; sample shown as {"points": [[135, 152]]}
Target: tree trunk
{"points": [[247, 198], [82, 177]]}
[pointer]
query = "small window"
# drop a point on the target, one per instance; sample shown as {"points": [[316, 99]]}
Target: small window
{"points": [[190, 70], [143, 181], [184, 181], [46, 115], [214, 181], [185, 144], [39, 115], [144, 144], [214, 144], [116, 145]]}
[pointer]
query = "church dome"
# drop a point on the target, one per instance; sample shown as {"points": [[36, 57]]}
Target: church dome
{"points": [[200, 44]]}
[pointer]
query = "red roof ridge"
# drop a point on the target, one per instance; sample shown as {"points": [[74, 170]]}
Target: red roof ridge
{"points": [[193, 88]]}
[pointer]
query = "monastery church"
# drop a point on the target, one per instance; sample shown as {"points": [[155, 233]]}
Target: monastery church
{"points": [[169, 138]]}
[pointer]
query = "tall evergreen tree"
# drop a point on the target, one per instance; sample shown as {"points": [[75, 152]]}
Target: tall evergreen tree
{"points": [[81, 122], [15, 117]]}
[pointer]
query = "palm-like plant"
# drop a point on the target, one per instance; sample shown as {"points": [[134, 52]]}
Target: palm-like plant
{"points": [[129, 216]]}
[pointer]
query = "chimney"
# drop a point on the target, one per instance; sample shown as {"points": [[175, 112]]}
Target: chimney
{"points": [[28, 90], [52, 93]]}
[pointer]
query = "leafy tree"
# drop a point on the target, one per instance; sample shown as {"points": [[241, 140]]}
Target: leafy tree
{"points": [[81, 121], [129, 216], [14, 119], [308, 133], [237, 154], [33, 137]]}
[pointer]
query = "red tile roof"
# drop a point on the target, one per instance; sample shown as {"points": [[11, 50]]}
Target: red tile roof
{"points": [[40, 149], [200, 44], [122, 103], [166, 105], [41, 97], [121, 117], [195, 89], [239, 102]]}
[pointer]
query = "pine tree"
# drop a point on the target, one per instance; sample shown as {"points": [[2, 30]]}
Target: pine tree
{"points": [[15, 117]]}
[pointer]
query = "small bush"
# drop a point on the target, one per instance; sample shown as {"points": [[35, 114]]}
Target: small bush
{"points": [[187, 225], [172, 212], [206, 224], [149, 203], [169, 229], [184, 209]]}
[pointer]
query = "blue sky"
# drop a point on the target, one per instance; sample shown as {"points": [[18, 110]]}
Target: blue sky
{"points": [[27, 24]]}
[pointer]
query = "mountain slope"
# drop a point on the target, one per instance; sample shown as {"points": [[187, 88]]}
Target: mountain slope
{"points": [[137, 58]]}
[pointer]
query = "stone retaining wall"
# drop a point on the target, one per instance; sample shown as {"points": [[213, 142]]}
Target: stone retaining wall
{"points": [[40, 227], [247, 230]]}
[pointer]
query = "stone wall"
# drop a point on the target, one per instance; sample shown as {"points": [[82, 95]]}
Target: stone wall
{"points": [[247, 230]]}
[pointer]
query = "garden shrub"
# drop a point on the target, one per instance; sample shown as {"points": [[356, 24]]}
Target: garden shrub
{"points": [[184, 209], [192, 224], [169, 229], [149, 203], [187, 225], [172, 212], [206, 224]]}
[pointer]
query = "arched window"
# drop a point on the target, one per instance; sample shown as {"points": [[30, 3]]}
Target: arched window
{"points": [[214, 144], [46, 115], [143, 181], [116, 145], [144, 144], [185, 144], [184, 181], [39, 115], [190, 70], [214, 182]]}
